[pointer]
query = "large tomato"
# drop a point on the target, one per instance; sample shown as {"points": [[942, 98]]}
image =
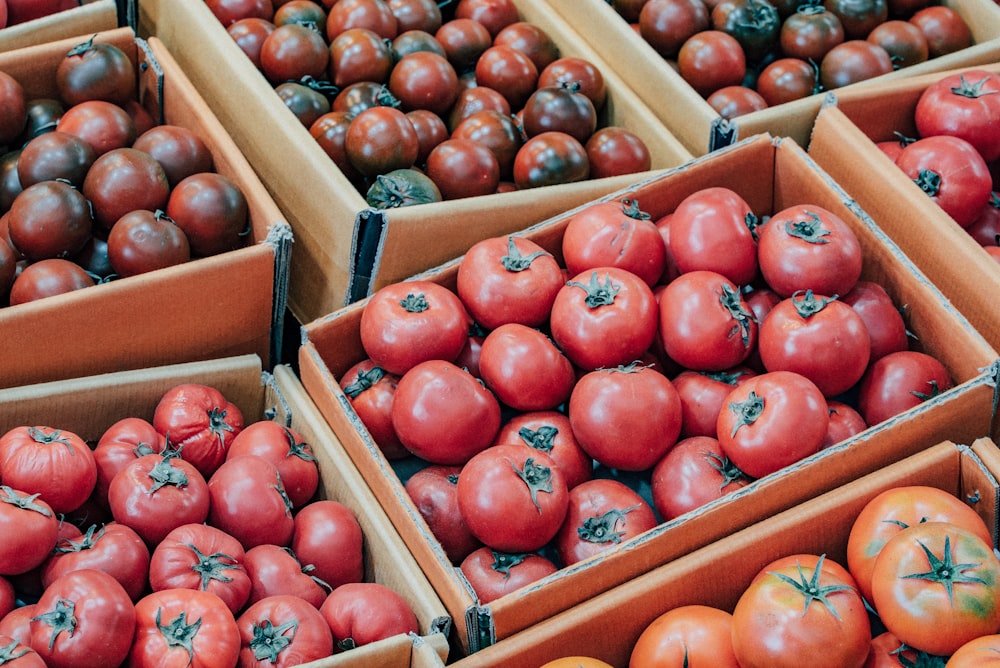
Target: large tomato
{"points": [[327, 540], [185, 628], [30, 529], [285, 448], [112, 548], [249, 502], [199, 422], [123, 180], [525, 369], [463, 168], [360, 613], [852, 61], [551, 433], [494, 574], [694, 472], [690, 635], [899, 381], [715, 229], [275, 570], [53, 463], [883, 320], [283, 630]]}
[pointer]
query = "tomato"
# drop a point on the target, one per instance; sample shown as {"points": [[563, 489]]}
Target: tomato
{"points": [[330, 132], [525, 369], [14, 117], [402, 187], [283, 447], [410, 322], [530, 40], [375, 15], [17, 623], [732, 101], [494, 14], [212, 211], [15, 653], [898, 382], [703, 395], [283, 631], [694, 472], [604, 317], [666, 24], [30, 527], [962, 105], [249, 34], [472, 100], [434, 492], [494, 574], [229, 11], [887, 652], [360, 613], [714, 229], [902, 40], [53, 463], [755, 24], [184, 627], [381, 139], [705, 324], [47, 278], [710, 60], [560, 108], [416, 15], [550, 432], [275, 570], [122, 180], [201, 558], [852, 61], [578, 71], [125, 440], [180, 151], [306, 101], [550, 158], [883, 320], [200, 422], [496, 130], [84, 618], [328, 541], [810, 33], [424, 80], [463, 41], [951, 172], [771, 421], [370, 391], [54, 155], [509, 72], [981, 652], [602, 513], [807, 247], [614, 151], [299, 11], [444, 414], [789, 613], [787, 79], [96, 71], [156, 493], [293, 51], [845, 422], [144, 241], [112, 548], [934, 585], [430, 129], [42, 116], [49, 219], [691, 635], [463, 168], [986, 228], [8, 598], [103, 125], [249, 502], [859, 17], [944, 28], [576, 662]]}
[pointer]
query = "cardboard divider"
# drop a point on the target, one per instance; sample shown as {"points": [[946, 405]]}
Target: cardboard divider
{"points": [[694, 122], [717, 574], [85, 20], [345, 249], [227, 304], [401, 651], [770, 174]]}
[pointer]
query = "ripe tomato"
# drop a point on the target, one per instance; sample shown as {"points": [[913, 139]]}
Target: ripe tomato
{"points": [[293, 51], [434, 491], [714, 229], [17, 653], [944, 28], [525, 369], [902, 40], [96, 71], [581, 71], [424, 80], [786, 79], [845, 422], [30, 528], [473, 100], [123, 180], [852, 61], [790, 611], [55, 464], [859, 17], [463, 40], [509, 72], [358, 54], [103, 125], [370, 391], [755, 25], [125, 440], [49, 219], [402, 187], [810, 33], [691, 635], [732, 101], [212, 211], [900, 381], [498, 131], [530, 40], [283, 447], [771, 421], [694, 472], [328, 540], [494, 574], [884, 322], [666, 24], [463, 168], [199, 422], [49, 156], [614, 151], [981, 652], [381, 139], [275, 570], [602, 513], [376, 15], [703, 395], [112, 548], [934, 585], [494, 14], [282, 631], [551, 433], [144, 241], [14, 116], [710, 60], [249, 34], [560, 108], [963, 105], [184, 627], [48, 278], [550, 158], [249, 502], [360, 613], [951, 172], [330, 132]]}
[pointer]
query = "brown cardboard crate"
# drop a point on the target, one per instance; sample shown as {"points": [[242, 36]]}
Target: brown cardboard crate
{"points": [[87, 406], [770, 174], [402, 651], [229, 304], [88, 18], [817, 526], [344, 249], [694, 122], [843, 143]]}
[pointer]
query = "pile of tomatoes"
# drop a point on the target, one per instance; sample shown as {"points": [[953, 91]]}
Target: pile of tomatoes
{"points": [[415, 106], [746, 55], [691, 354], [93, 189], [193, 534]]}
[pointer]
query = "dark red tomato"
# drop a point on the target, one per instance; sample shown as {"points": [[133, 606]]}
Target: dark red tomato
{"points": [[55, 464], [986, 228], [380, 140], [283, 631], [602, 514], [13, 116], [328, 542], [573, 70], [550, 432], [853, 61], [180, 151], [42, 115], [944, 28], [754, 23], [464, 41], [463, 168], [371, 389], [49, 219], [963, 105], [31, 530], [898, 382], [434, 492], [47, 278], [525, 369], [902, 40], [375, 15], [818, 337], [410, 322], [529, 39], [249, 34], [714, 229], [299, 11], [306, 102], [10, 185], [603, 318], [230, 11], [626, 417], [212, 211], [703, 395], [54, 155], [275, 571], [845, 422], [200, 422], [513, 498], [208, 631], [771, 421], [293, 51], [859, 17], [694, 472], [494, 14], [123, 180], [560, 108], [8, 268], [290, 454], [787, 79], [667, 24], [96, 71], [444, 414], [614, 151], [883, 320], [952, 173], [710, 60], [497, 131], [550, 158], [494, 574], [732, 101], [144, 241], [249, 502], [330, 132], [422, 15], [424, 80], [472, 100], [103, 125], [705, 324], [509, 72], [807, 247], [810, 32], [358, 54], [112, 548], [360, 613]]}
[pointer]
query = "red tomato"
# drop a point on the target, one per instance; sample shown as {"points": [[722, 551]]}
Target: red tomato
{"points": [[328, 541], [360, 613], [691, 635], [358, 54], [13, 652], [103, 125], [952, 173], [371, 391], [424, 80], [112, 548], [525, 369], [602, 513], [944, 28], [375, 15], [560, 108], [986, 228], [95, 71], [212, 211], [249, 502], [199, 422], [125, 440], [787, 79], [463, 40], [614, 151], [981, 652], [666, 24], [703, 395], [123, 180], [283, 631], [551, 433], [201, 558], [48, 278], [853, 61], [494, 14], [184, 627], [49, 219], [513, 498], [550, 158], [275, 570], [434, 491], [53, 463], [509, 72], [463, 168], [142, 241], [179, 150], [694, 472], [710, 60], [8, 597], [732, 101], [845, 422], [898, 382], [627, 417], [810, 32], [530, 40], [569, 69], [903, 41], [495, 574], [381, 139], [886, 328], [713, 229], [283, 447], [498, 131], [771, 421], [30, 529]]}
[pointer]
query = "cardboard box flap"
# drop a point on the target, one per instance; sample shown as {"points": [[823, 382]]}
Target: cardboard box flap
{"points": [[86, 19]]}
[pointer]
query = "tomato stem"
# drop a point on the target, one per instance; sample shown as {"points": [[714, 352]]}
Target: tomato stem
{"points": [[598, 294], [504, 561], [944, 570], [601, 529], [212, 566], [542, 439], [749, 410], [929, 181], [536, 477], [807, 304], [811, 589], [269, 640], [10, 652], [60, 618], [515, 261], [178, 633]]}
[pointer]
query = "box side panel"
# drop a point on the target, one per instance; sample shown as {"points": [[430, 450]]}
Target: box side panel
{"points": [[84, 20]]}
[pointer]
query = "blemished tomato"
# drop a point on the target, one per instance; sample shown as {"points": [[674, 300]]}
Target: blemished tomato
{"points": [[328, 540], [771, 421], [790, 611], [714, 229], [285, 448], [852, 61], [31, 530], [898, 382], [360, 613], [525, 369], [54, 463], [691, 635], [402, 187], [275, 570], [885, 324], [249, 502], [934, 585], [550, 158], [945, 29], [95, 70], [112, 548], [666, 24], [694, 472], [710, 60], [282, 631], [951, 172], [614, 151], [434, 491], [183, 626], [200, 422], [494, 574], [47, 278], [963, 105], [602, 513]]}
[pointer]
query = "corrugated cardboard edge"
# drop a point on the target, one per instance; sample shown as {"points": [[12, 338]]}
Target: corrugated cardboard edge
{"points": [[83, 20]]}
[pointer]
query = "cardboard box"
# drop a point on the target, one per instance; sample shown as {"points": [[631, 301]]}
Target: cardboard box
{"points": [[88, 406], [402, 651], [694, 122], [818, 526], [843, 141], [88, 18], [345, 249], [770, 174], [228, 304]]}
